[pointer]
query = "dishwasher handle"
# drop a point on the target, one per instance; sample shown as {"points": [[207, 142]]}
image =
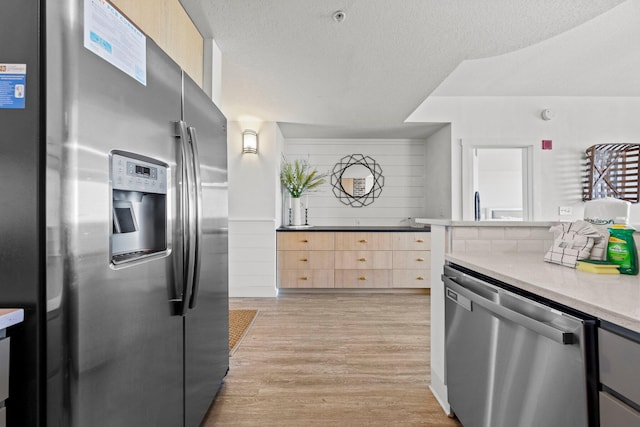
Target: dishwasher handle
{"points": [[557, 335]]}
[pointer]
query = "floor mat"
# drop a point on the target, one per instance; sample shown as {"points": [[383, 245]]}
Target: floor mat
{"points": [[239, 322]]}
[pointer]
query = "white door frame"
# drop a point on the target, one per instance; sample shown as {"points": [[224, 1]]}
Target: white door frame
{"points": [[467, 167]]}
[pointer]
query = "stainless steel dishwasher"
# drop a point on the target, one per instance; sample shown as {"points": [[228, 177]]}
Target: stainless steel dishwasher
{"points": [[515, 362]]}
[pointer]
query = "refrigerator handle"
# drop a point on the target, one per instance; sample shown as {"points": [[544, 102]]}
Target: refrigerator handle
{"points": [[185, 212], [198, 214]]}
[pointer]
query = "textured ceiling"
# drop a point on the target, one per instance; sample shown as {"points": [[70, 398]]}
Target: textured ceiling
{"points": [[288, 61], [598, 58]]}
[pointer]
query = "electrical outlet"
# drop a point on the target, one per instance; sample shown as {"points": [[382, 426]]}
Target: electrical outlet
{"points": [[565, 210]]}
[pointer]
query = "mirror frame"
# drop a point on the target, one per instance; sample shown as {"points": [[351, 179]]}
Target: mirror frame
{"points": [[342, 166]]}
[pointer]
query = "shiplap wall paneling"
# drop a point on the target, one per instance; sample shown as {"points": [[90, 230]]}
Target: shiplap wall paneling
{"points": [[403, 167], [252, 258]]}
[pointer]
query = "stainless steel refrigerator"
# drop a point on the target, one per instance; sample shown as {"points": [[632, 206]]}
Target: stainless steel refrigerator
{"points": [[113, 223]]}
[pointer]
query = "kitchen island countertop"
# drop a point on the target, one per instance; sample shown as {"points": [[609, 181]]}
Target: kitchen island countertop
{"points": [[615, 298], [492, 223], [10, 317]]}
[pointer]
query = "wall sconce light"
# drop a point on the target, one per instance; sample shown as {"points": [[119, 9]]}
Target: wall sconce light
{"points": [[249, 141]]}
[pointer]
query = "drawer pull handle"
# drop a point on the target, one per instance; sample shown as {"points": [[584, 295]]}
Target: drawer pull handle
{"points": [[362, 278], [420, 278], [363, 240], [419, 241], [303, 278], [362, 259], [304, 260], [305, 241], [420, 259]]}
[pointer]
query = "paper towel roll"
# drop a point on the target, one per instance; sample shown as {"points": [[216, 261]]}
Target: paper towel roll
{"points": [[607, 211]]}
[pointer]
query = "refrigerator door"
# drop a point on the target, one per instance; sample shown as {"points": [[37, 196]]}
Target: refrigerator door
{"points": [[207, 321], [123, 363], [21, 242]]}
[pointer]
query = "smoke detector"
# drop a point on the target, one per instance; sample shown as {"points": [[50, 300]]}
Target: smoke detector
{"points": [[547, 114], [339, 16]]}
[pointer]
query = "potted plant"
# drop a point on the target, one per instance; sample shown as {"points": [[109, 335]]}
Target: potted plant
{"points": [[298, 176]]}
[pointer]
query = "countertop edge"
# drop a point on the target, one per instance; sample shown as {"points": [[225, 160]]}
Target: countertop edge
{"points": [[10, 317]]}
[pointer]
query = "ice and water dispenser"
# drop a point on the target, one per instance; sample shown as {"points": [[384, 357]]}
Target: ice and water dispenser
{"points": [[139, 207]]}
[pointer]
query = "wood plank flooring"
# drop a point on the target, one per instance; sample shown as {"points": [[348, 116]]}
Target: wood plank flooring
{"points": [[331, 360]]}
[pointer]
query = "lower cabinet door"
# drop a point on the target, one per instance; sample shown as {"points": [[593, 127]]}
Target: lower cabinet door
{"points": [[3, 417], [614, 413], [305, 279], [363, 260], [411, 278], [305, 260], [363, 279]]}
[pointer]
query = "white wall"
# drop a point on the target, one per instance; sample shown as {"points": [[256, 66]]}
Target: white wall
{"points": [[254, 193], [579, 123], [403, 164], [438, 174], [212, 63]]}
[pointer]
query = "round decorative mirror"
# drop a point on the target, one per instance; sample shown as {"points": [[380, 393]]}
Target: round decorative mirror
{"points": [[357, 180]]}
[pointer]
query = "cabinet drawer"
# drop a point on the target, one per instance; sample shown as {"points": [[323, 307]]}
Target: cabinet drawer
{"points": [[363, 260], [411, 241], [356, 241], [363, 279], [305, 240], [4, 368], [411, 278], [305, 279], [614, 413], [619, 364], [305, 260], [411, 259]]}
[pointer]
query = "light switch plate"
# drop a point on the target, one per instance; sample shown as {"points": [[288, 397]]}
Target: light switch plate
{"points": [[565, 210]]}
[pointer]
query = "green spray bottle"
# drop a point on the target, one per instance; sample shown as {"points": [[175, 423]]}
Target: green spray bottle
{"points": [[621, 249]]}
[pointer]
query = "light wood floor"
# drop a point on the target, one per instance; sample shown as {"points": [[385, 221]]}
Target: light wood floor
{"points": [[331, 360]]}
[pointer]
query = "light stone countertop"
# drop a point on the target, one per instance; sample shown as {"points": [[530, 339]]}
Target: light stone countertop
{"points": [[10, 317], [495, 223], [615, 298]]}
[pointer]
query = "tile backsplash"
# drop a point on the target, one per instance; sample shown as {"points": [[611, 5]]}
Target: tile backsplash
{"points": [[501, 239]]}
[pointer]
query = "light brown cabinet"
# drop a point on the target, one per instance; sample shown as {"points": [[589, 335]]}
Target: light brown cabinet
{"points": [[408, 241], [168, 24], [359, 240], [411, 269], [305, 259], [353, 259], [363, 260], [305, 240], [362, 278], [305, 278]]}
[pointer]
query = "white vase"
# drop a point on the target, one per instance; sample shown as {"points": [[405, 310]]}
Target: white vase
{"points": [[297, 214]]}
